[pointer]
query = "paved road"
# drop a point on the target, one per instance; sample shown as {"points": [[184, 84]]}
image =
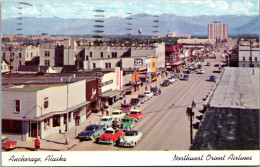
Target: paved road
{"points": [[165, 125]]}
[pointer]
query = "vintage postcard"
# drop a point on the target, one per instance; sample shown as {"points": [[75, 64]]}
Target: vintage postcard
{"points": [[130, 82]]}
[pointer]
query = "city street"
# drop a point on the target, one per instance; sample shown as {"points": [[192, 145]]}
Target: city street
{"points": [[165, 125]]}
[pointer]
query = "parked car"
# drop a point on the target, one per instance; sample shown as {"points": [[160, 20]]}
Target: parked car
{"points": [[91, 132], [117, 115], [125, 107], [155, 91], [142, 98], [8, 144], [212, 78], [127, 123], [136, 114], [130, 138], [166, 83], [172, 79], [200, 71], [148, 94], [135, 102], [177, 76], [187, 71], [105, 121], [185, 77], [216, 65], [110, 135]]}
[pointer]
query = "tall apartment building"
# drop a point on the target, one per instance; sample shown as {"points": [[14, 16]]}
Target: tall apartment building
{"points": [[218, 31]]}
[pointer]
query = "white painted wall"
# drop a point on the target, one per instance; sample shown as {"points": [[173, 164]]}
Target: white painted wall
{"points": [[107, 77], [34, 100]]}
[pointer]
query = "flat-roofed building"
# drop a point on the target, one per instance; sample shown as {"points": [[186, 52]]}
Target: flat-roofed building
{"points": [[248, 56], [40, 107], [231, 121]]}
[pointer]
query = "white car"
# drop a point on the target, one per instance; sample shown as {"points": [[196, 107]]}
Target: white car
{"points": [[172, 80], [200, 71], [131, 138], [148, 94], [117, 115]]}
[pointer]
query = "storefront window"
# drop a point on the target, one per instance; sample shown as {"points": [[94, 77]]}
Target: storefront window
{"points": [[11, 126]]}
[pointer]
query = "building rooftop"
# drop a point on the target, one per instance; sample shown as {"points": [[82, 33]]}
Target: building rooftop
{"points": [[18, 79], [231, 121], [237, 88], [34, 89]]}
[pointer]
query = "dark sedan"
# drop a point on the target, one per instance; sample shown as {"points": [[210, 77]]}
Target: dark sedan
{"points": [[91, 132], [166, 83]]}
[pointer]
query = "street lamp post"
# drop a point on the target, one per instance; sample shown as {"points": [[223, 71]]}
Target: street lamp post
{"points": [[190, 115], [67, 119]]}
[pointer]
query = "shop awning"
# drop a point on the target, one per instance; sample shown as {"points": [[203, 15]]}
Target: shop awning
{"points": [[111, 93]]}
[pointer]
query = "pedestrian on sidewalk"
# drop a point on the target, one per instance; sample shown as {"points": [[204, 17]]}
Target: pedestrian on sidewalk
{"points": [[37, 144], [102, 108], [107, 112], [124, 100], [102, 112]]}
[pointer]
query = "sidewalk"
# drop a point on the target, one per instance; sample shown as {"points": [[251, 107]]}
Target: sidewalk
{"points": [[56, 142]]}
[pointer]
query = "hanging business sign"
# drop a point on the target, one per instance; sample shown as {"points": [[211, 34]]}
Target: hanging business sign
{"points": [[138, 62], [118, 78]]}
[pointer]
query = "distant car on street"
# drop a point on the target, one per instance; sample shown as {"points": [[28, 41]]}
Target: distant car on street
{"points": [[212, 78], [172, 79], [105, 121], [110, 135], [131, 138], [136, 114], [176, 76], [185, 77], [166, 83], [208, 64], [148, 94], [200, 71], [155, 91], [91, 132], [142, 98], [216, 65], [8, 144]]}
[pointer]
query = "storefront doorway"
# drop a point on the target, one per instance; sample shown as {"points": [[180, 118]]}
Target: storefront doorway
{"points": [[33, 129]]}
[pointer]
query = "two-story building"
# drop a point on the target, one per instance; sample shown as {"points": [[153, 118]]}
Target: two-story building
{"points": [[42, 107]]}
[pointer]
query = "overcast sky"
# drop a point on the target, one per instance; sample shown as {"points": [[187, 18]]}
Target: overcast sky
{"points": [[122, 8]]}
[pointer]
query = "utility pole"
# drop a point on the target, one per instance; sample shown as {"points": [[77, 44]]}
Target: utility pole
{"points": [[250, 58], [10, 59]]}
